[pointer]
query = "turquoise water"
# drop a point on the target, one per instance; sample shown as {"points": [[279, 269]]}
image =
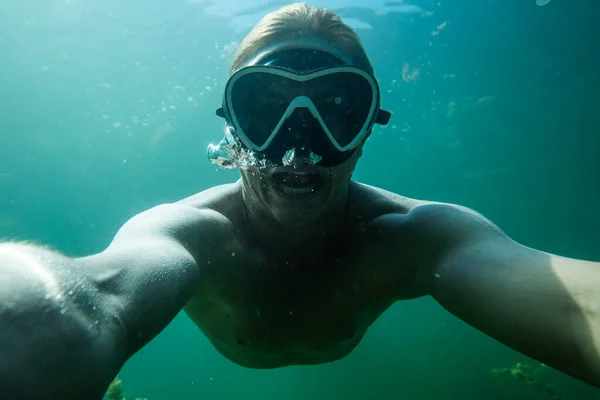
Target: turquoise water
{"points": [[107, 109]]}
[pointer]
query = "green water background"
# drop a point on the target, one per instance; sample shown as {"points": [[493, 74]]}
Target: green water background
{"points": [[106, 109]]}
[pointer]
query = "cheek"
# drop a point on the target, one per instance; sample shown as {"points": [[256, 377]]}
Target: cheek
{"points": [[345, 170]]}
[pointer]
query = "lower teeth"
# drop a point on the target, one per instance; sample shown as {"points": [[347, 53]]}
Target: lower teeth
{"points": [[298, 191]]}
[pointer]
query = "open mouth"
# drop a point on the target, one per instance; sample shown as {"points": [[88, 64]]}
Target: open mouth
{"points": [[298, 184]]}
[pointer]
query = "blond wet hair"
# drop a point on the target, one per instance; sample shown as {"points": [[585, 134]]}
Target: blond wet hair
{"points": [[301, 25]]}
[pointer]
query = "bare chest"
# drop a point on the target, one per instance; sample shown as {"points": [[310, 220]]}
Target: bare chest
{"points": [[266, 312]]}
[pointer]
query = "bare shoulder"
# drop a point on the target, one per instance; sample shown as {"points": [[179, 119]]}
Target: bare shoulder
{"points": [[452, 223], [219, 198], [196, 218], [428, 219], [375, 202]]}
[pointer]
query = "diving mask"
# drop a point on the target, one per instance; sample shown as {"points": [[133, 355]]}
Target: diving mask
{"points": [[305, 101]]}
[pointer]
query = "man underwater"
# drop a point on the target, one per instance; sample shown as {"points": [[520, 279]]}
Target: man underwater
{"points": [[291, 264]]}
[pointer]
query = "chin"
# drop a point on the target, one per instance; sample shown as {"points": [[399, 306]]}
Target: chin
{"points": [[295, 217], [297, 206]]}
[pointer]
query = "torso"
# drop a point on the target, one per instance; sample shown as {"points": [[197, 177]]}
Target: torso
{"points": [[263, 309]]}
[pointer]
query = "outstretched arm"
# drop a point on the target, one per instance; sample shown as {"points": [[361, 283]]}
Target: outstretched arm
{"points": [[68, 325], [542, 305]]}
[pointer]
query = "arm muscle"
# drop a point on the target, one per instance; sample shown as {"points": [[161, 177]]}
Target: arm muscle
{"points": [[542, 305]]}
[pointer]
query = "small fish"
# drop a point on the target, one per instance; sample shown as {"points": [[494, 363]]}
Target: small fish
{"points": [[542, 2]]}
